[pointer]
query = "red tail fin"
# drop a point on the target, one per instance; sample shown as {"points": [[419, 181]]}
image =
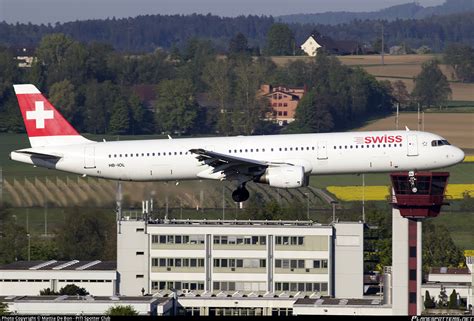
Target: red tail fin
{"points": [[44, 124]]}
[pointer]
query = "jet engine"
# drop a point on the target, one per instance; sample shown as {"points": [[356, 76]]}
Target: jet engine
{"points": [[284, 177]]}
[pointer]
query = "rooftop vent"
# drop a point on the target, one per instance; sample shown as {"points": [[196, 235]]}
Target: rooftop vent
{"points": [[88, 265], [62, 266], [42, 265]]}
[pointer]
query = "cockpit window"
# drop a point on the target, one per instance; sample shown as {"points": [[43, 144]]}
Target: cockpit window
{"points": [[439, 142]]}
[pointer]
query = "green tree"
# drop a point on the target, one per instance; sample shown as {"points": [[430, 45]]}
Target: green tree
{"points": [[4, 309], [280, 40], [238, 45], [438, 247], [48, 291], [62, 58], [43, 249], [62, 95], [120, 119], [72, 289], [86, 235], [431, 86], [453, 300], [249, 107], [197, 54], [121, 310], [442, 298], [461, 58], [312, 115], [429, 302], [13, 245], [176, 109], [400, 93], [218, 77], [10, 117]]}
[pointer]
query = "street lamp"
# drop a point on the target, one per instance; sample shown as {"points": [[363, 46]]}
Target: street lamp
{"points": [[29, 247], [334, 210], [307, 205]]}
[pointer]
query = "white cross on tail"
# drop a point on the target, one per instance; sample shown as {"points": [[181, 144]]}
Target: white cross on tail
{"points": [[39, 114]]}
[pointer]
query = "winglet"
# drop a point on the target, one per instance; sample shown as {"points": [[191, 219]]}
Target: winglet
{"points": [[407, 129]]}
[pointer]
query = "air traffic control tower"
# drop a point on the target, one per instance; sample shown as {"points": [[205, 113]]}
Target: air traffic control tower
{"points": [[415, 197]]}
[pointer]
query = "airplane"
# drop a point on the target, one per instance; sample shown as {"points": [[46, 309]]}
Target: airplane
{"points": [[282, 161]]}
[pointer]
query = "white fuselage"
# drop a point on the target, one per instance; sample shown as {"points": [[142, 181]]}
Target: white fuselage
{"points": [[332, 153]]}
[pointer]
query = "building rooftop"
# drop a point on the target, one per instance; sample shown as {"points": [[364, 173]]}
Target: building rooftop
{"points": [[88, 298], [339, 302], [253, 223], [61, 265]]}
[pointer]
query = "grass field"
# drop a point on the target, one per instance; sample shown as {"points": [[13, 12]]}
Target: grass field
{"points": [[400, 67], [382, 192], [457, 128], [460, 226]]}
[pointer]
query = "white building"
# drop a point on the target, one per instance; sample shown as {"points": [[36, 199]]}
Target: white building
{"points": [[30, 277], [245, 257], [328, 306], [311, 46], [88, 305], [459, 279]]}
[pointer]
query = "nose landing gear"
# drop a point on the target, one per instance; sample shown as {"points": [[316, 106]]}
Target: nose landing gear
{"points": [[241, 194]]}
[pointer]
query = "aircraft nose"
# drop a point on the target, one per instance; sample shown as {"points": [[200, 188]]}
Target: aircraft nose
{"points": [[458, 155]]}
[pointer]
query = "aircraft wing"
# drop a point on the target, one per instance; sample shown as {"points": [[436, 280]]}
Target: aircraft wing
{"points": [[233, 167]]}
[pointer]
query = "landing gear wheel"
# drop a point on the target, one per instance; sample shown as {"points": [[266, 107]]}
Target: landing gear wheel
{"points": [[241, 194]]}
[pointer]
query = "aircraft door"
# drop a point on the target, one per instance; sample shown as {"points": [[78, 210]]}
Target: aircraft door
{"points": [[412, 145], [89, 157], [322, 150]]}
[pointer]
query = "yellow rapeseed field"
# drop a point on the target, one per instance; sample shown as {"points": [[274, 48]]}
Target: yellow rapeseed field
{"points": [[381, 193], [469, 159]]}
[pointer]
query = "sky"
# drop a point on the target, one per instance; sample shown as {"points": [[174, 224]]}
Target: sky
{"points": [[52, 11]]}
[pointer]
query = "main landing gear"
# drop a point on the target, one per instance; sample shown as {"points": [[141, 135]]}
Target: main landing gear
{"points": [[241, 194]]}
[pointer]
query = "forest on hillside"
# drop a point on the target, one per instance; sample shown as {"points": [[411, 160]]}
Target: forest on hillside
{"points": [[149, 32]]}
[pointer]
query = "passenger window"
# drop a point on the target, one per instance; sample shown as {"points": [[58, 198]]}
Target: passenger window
{"points": [[126, 155], [110, 156]]}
